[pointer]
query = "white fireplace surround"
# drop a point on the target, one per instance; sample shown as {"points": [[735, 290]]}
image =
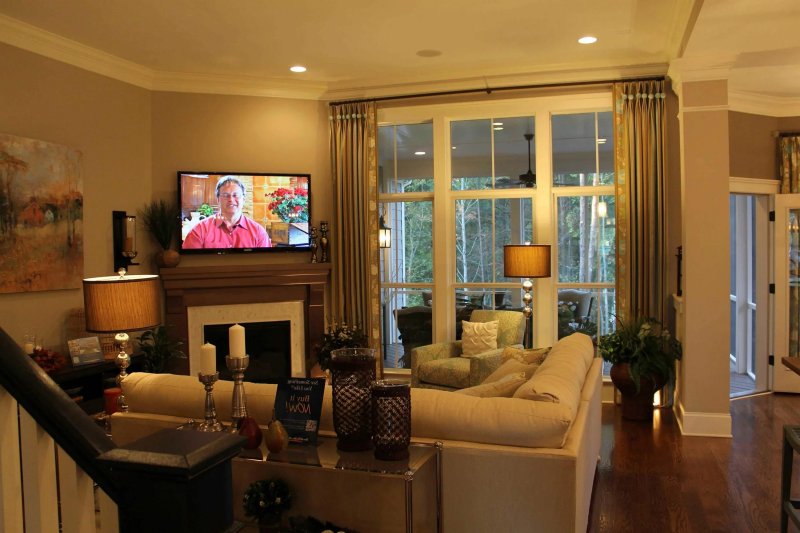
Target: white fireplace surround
{"points": [[200, 316]]}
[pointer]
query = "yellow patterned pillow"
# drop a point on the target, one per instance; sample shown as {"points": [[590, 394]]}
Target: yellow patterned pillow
{"points": [[502, 388], [536, 355]]}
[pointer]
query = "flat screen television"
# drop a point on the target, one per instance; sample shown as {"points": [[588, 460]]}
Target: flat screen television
{"points": [[240, 212]]}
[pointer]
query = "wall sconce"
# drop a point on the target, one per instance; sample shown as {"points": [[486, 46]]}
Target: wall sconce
{"points": [[124, 230], [384, 234]]}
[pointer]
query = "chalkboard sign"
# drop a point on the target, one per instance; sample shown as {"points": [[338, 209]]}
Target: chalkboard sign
{"points": [[298, 405]]}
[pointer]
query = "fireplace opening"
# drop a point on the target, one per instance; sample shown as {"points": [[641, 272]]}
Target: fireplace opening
{"points": [[267, 343]]}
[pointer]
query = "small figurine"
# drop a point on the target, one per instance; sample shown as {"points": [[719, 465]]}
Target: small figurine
{"points": [[323, 241], [313, 244]]}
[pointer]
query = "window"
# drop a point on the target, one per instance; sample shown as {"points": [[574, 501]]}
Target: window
{"points": [[455, 187]]}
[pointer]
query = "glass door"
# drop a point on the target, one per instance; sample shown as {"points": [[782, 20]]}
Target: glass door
{"points": [[787, 289]]}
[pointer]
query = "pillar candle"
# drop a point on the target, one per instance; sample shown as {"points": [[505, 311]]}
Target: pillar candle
{"points": [[236, 341], [208, 359]]}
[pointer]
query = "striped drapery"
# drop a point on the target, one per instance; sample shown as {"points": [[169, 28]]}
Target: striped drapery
{"points": [[354, 247], [640, 166], [789, 158], [789, 161]]}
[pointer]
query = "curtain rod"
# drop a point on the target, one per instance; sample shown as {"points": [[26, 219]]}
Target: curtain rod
{"points": [[787, 133], [490, 90]]}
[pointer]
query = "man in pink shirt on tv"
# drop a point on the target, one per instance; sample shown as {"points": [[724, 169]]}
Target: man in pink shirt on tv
{"points": [[230, 228]]}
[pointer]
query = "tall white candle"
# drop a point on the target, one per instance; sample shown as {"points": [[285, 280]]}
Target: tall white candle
{"points": [[208, 359], [236, 341]]}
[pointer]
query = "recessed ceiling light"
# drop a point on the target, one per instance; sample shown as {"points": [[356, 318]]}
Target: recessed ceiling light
{"points": [[298, 68], [587, 39], [419, 153]]}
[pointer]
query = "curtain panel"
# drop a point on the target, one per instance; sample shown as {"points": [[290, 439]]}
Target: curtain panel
{"points": [[789, 168], [354, 247], [640, 166]]}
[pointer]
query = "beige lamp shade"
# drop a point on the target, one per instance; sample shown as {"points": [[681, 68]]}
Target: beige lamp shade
{"points": [[526, 261], [122, 303]]}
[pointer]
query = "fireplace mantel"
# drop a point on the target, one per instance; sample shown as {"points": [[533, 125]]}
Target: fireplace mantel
{"points": [[186, 287]]}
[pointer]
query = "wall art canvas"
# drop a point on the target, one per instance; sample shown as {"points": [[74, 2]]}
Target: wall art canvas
{"points": [[41, 216]]}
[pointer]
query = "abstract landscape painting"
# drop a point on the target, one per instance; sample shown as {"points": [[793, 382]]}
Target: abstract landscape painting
{"points": [[41, 216]]}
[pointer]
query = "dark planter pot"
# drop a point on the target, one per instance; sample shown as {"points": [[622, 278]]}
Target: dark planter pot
{"points": [[636, 405], [168, 258]]}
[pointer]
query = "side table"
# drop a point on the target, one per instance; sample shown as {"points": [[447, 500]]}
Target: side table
{"points": [[351, 489]]}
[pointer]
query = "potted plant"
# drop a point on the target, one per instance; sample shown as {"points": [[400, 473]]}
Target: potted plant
{"points": [[339, 336], [161, 220], [643, 355], [266, 500], [158, 349]]}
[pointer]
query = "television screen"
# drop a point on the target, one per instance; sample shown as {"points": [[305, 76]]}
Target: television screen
{"points": [[226, 212]]}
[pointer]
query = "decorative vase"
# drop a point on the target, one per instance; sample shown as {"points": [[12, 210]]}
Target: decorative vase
{"points": [[168, 258], [636, 405], [352, 372], [391, 419]]}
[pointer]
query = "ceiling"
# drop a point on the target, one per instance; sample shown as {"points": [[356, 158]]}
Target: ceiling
{"points": [[356, 48]]}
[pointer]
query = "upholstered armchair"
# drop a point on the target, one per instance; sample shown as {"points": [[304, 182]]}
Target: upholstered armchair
{"points": [[440, 365]]}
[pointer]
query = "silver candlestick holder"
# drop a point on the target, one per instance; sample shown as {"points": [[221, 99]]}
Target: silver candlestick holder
{"points": [[237, 366], [211, 423]]}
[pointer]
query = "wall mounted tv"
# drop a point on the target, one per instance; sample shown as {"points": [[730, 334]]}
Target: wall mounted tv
{"points": [[230, 212]]}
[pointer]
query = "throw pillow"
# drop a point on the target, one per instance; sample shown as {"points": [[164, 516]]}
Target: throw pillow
{"points": [[512, 366], [502, 388], [478, 337], [536, 355]]}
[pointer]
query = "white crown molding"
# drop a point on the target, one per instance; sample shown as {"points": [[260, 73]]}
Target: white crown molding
{"points": [[38, 41], [238, 85], [753, 185], [761, 104]]}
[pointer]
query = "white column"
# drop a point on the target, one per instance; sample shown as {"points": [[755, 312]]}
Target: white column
{"points": [[10, 486]]}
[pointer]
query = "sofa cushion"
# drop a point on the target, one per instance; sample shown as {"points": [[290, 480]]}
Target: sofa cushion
{"points": [[478, 337], [443, 415], [560, 377], [536, 355], [450, 372], [501, 388], [512, 366]]}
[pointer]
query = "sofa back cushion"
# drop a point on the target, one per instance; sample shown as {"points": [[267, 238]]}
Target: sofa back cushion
{"points": [[561, 376], [500, 388]]}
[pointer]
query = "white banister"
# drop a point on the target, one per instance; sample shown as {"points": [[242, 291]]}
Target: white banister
{"points": [[34, 467], [37, 451], [10, 481]]}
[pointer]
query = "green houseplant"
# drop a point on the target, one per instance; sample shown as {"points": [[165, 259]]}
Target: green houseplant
{"points": [[643, 355], [161, 220], [339, 336], [158, 349]]}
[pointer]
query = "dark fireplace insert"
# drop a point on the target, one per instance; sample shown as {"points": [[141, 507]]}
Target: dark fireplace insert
{"points": [[267, 343]]}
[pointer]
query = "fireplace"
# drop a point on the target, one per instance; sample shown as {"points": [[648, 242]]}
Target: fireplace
{"points": [[269, 293], [274, 338]]}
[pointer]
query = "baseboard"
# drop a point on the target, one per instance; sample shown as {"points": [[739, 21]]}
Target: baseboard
{"points": [[703, 424]]}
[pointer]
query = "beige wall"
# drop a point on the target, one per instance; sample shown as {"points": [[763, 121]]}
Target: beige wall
{"points": [[752, 145], [109, 122], [133, 142], [241, 133]]}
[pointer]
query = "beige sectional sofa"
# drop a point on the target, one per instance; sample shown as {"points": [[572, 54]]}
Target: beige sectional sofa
{"points": [[509, 464]]}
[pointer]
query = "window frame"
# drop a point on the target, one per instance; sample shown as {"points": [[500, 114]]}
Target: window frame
{"points": [[544, 197]]}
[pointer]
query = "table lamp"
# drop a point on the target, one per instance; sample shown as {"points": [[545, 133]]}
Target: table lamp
{"points": [[117, 304], [527, 261]]}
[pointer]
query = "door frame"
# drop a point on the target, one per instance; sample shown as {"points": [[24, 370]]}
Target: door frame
{"points": [[784, 379]]}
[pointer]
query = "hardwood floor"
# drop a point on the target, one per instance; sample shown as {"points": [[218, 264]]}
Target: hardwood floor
{"points": [[651, 479]]}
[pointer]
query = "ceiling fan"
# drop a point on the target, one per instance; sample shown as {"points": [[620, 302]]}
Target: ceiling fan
{"points": [[529, 178]]}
